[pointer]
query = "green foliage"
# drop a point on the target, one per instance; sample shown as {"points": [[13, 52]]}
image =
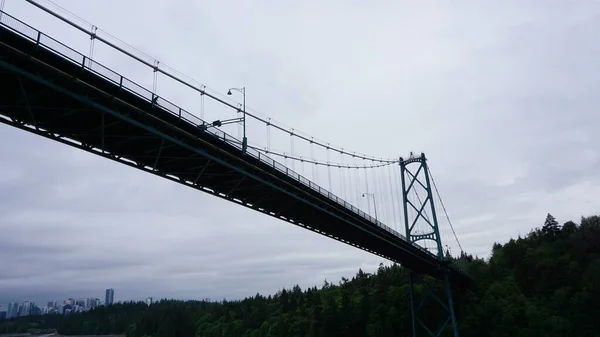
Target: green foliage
{"points": [[30, 325], [546, 284]]}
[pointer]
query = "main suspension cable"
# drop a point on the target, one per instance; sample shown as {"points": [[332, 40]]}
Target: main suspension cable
{"points": [[444, 208], [189, 82], [302, 159]]}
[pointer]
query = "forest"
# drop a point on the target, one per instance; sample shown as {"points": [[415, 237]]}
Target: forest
{"points": [[544, 284]]}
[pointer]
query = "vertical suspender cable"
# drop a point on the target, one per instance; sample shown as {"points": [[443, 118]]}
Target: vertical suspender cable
{"points": [[367, 191], [351, 188], [377, 196], [399, 196], [292, 149], [342, 179], [381, 196], [393, 199], [388, 190], [329, 169], [202, 104], [314, 166], [357, 182], [268, 124], [351, 183], [384, 196]]}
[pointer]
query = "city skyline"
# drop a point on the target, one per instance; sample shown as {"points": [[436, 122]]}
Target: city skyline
{"points": [[4, 307], [28, 307], [79, 301], [148, 300]]}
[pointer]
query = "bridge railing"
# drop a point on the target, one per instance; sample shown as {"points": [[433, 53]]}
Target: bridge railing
{"points": [[59, 48]]}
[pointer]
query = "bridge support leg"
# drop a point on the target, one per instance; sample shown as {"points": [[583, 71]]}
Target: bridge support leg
{"points": [[413, 313], [432, 318], [424, 226], [451, 306]]}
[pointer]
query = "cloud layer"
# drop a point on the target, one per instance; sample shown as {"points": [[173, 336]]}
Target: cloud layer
{"points": [[501, 97]]}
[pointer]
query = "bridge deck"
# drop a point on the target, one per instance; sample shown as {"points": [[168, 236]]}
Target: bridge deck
{"points": [[56, 97]]}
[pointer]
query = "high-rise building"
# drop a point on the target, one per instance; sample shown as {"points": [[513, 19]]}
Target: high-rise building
{"points": [[80, 302], [13, 310], [9, 310], [35, 310], [25, 308], [109, 297], [149, 301], [2, 315]]}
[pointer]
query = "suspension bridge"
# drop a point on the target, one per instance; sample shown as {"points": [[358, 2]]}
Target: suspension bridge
{"points": [[66, 94]]}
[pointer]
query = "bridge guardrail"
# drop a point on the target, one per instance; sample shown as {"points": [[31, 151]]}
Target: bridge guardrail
{"points": [[85, 62]]}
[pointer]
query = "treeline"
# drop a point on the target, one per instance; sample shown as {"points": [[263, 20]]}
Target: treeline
{"points": [[545, 284], [30, 324]]}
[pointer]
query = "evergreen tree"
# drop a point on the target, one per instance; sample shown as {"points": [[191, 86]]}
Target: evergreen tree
{"points": [[550, 227], [529, 287]]}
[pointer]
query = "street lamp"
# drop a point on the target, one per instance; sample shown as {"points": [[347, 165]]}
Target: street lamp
{"points": [[244, 140], [374, 204]]}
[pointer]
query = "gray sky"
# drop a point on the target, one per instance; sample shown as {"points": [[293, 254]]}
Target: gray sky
{"points": [[500, 96]]}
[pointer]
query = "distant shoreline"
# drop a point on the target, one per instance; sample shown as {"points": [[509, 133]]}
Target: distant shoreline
{"points": [[54, 335]]}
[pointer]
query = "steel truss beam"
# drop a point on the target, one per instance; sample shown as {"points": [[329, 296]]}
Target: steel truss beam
{"points": [[126, 117], [422, 173], [297, 222]]}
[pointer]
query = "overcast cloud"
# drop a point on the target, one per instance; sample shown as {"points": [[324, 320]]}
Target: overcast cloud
{"points": [[501, 96]]}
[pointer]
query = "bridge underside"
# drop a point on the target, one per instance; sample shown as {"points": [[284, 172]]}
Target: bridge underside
{"points": [[46, 94]]}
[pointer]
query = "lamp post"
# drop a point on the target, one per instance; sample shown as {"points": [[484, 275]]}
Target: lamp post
{"points": [[374, 204], [244, 139]]}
